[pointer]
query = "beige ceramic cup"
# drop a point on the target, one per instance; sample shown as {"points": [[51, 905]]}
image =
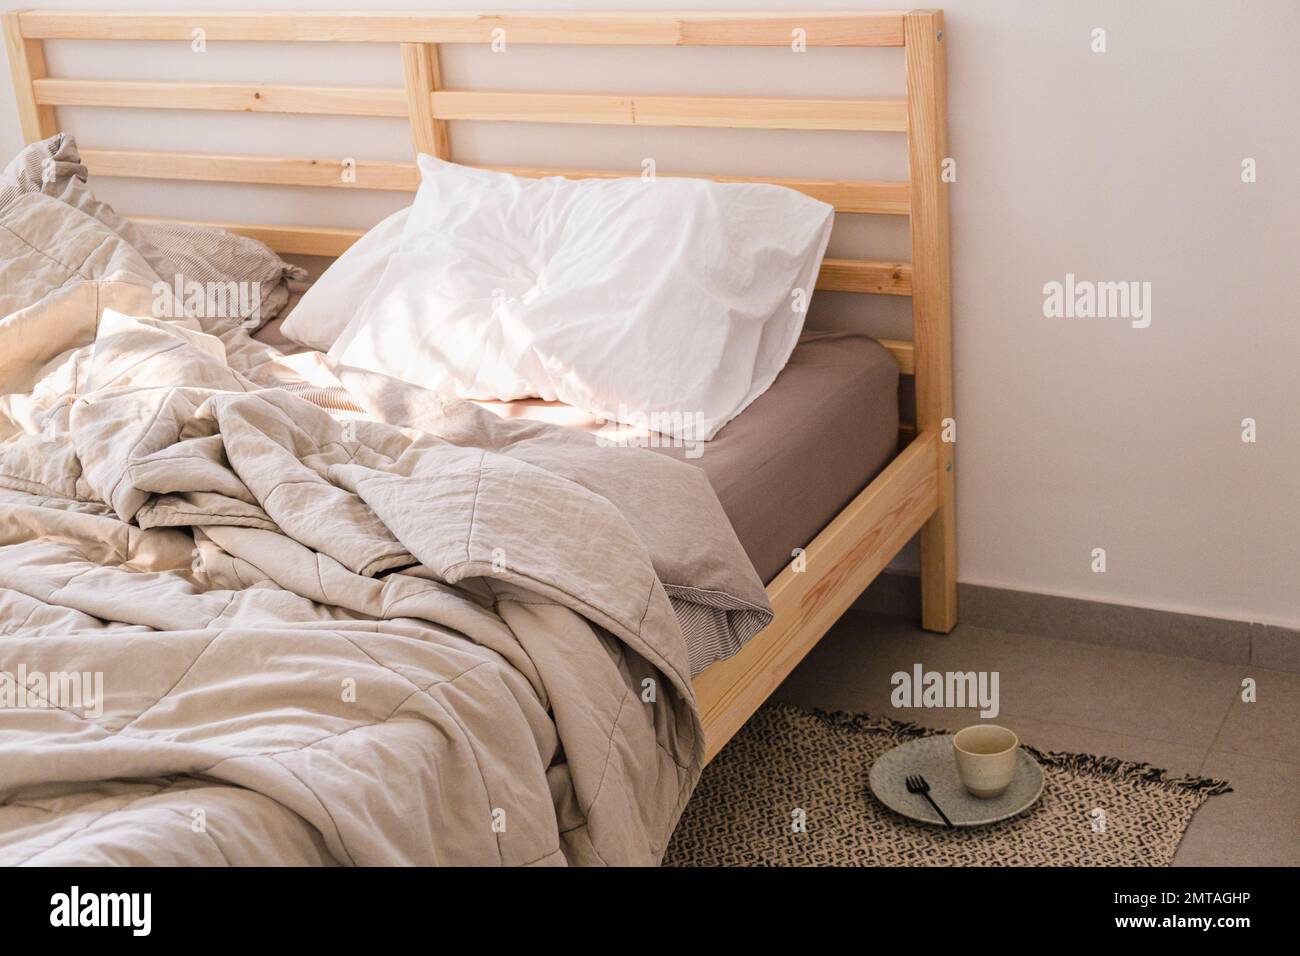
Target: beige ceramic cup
{"points": [[986, 758]]}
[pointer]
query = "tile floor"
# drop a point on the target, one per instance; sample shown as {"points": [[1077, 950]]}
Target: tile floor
{"points": [[1181, 714]]}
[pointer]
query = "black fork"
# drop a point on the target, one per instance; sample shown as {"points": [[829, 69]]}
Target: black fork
{"points": [[916, 784]]}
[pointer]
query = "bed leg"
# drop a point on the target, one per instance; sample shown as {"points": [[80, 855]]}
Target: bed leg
{"points": [[939, 568], [927, 149]]}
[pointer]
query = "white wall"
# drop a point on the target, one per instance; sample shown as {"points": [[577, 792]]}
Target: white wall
{"points": [[1073, 433]]}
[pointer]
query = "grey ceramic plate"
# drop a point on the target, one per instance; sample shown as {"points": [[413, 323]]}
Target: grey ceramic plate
{"points": [[931, 757]]}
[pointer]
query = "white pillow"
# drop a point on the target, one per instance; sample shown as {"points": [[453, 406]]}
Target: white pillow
{"points": [[673, 302], [330, 304]]}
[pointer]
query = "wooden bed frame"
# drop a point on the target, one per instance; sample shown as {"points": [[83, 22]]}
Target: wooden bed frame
{"points": [[914, 493]]}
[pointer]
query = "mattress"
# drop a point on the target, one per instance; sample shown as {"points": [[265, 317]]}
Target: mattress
{"points": [[791, 461]]}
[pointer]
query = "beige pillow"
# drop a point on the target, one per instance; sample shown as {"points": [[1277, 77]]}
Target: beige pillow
{"points": [[53, 168]]}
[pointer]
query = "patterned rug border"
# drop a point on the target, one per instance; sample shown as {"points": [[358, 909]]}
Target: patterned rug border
{"points": [[1095, 765]]}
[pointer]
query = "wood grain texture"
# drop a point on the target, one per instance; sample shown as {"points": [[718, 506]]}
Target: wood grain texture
{"points": [[26, 66], [849, 275], [289, 240], [423, 77], [904, 353], [726, 112], [927, 140], [232, 97], [840, 562], [261, 170], [886, 198], [604, 29], [865, 275], [846, 195]]}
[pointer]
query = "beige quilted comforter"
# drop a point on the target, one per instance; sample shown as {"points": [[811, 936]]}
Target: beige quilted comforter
{"points": [[237, 627]]}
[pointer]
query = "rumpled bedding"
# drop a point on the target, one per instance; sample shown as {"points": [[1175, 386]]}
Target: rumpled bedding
{"points": [[240, 624]]}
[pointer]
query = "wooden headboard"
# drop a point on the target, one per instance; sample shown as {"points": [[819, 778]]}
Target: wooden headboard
{"points": [[920, 118]]}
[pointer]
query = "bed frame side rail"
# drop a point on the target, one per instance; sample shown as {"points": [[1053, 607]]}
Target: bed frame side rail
{"points": [[812, 592]]}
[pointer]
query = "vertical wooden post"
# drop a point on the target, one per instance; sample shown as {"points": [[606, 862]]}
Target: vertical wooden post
{"points": [[423, 76], [27, 64], [927, 147]]}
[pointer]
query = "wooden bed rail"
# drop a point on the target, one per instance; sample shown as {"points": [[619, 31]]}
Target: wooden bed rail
{"points": [[914, 493], [601, 29], [857, 196], [856, 546], [721, 112], [837, 275]]}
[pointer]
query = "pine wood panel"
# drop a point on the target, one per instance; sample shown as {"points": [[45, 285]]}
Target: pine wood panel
{"points": [[862, 275], [261, 170], [604, 29], [843, 275], [931, 303], [733, 112], [26, 67], [231, 97], [423, 77], [847, 196]]}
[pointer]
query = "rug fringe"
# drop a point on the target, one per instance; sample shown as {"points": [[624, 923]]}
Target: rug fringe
{"points": [[1117, 769], [1094, 765]]}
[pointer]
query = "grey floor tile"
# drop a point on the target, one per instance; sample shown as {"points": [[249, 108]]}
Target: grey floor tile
{"points": [[1129, 692], [1106, 688], [897, 594], [1269, 727], [1178, 759], [1265, 796], [852, 669], [833, 695], [1215, 845]]}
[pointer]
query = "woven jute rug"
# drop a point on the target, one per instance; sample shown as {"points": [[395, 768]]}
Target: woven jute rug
{"points": [[746, 811]]}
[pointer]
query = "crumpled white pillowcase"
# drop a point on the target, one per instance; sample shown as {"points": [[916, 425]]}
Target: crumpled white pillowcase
{"points": [[625, 297], [334, 299]]}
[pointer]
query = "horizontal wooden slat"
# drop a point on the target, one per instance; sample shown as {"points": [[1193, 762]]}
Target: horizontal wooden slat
{"points": [[711, 111], [265, 170], [904, 354], [837, 275], [289, 240], [860, 275], [236, 97], [845, 195], [613, 110], [648, 29]]}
